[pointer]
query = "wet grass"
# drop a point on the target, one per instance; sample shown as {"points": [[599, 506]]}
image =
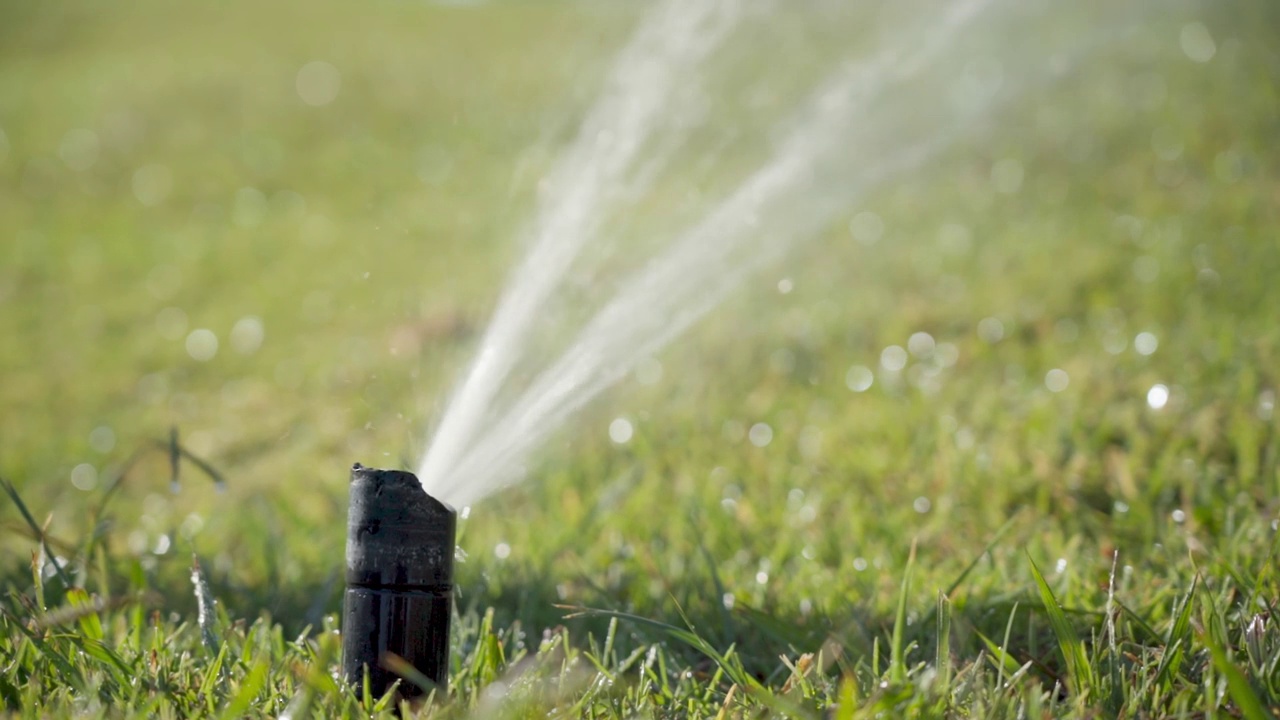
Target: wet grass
{"points": [[964, 537]]}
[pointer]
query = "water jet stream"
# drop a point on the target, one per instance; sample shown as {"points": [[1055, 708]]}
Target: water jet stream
{"points": [[859, 130], [645, 80]]}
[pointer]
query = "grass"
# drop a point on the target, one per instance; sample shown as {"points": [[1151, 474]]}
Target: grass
{"points": [[958, 540]]}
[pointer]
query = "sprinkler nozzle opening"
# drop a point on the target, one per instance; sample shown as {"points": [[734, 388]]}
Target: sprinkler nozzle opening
{"points": [[400, 547]]}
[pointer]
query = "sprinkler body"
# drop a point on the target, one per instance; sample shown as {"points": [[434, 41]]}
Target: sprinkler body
{"points": [[400, 545]]}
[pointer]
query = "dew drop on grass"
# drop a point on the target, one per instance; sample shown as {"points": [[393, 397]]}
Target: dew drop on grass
{"points": [[247, 335], [921, 505], [866, 227], [1145, 343], [1266, 404], [1179, 516], [171, 323], [202, 344], [859, 564], [728, 600], [1197, 44], [859, 378], [1061, 566], [1006, 176], [785, 286], [762, 578], [1158, 396], [250, 207], [921, 344], [318, 83], [649, 372], [620, 431], [502, 551], [1056, 380], [152, 184], [991, 330], [102, 439], [79, 149], [893, 358], [760, 435], [84, 477]]}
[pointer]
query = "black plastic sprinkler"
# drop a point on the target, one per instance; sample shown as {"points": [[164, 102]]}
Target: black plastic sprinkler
{"points": [[399, 582]]}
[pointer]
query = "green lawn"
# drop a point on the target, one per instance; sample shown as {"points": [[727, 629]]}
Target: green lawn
{"points": [[161, 174]]}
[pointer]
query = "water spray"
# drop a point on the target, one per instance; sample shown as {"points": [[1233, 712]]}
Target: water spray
{"points": [[400, 545]]}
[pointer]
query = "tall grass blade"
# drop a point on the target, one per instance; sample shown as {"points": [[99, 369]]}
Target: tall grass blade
{"points": [[1246, 699], [897, 653], [38, 532], [942, 656], [1069, 643]]}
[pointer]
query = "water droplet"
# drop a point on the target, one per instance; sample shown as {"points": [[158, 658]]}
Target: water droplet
{"points": [[247, 335], [785, 286], [191, 525], [620, 431], [202, 344], [1145, 343], [1056, 380], [760, 434], [79, 149], [249, 207], [318, 83], [152, 184], [921, 505], [1061, 566], [859, 378], [946, 355], [1197, 43], [1178, 516], [102, 439], [859, 564], [762, 578], [1157, 397], [1146, 269], [1121, 506], [1166, 143], [866, 227], [954, 238], [84, 477], [502, 551], [921, 344], [727, 600], [733, 430], [1266, 404], [893, 358], [164, 281], [171, 323], [991, 330], [162, 545], [648, 372], [1006, 176]]}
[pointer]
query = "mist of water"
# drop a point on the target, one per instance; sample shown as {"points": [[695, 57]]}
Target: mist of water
{"points": [[874, 118]]}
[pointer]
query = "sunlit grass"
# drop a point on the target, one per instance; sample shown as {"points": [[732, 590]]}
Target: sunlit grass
{"points": [[1078, 552]]}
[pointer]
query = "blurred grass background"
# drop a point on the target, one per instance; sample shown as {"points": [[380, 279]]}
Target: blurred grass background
{"points": [[160, 173]]}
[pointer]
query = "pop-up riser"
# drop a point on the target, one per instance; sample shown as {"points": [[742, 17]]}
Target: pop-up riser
{"points": [[400, 546]]}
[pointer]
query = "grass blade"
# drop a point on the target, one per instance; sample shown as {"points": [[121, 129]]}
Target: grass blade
{"points": [[1246, 699], [897, 653], [942, 656], [12, 492], [1069, 643]]}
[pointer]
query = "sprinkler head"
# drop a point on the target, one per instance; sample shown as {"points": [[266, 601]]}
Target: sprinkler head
{"points": [[400, 544]]}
